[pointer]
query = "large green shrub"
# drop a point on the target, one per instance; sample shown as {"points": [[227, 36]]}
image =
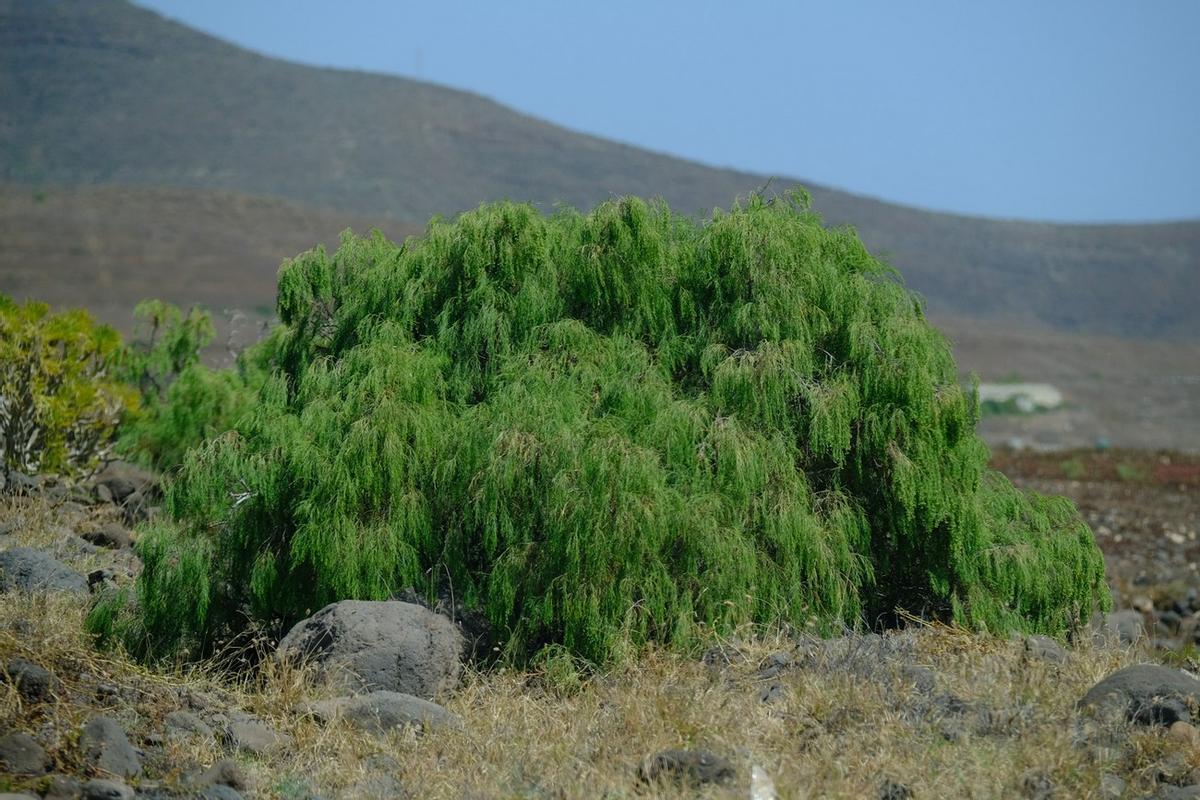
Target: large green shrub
{"points": [[59, 401], [604, 430]]}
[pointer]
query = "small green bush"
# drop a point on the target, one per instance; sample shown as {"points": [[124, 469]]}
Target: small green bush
{"points": [[184, 402], [60, 403], [604, 430]]}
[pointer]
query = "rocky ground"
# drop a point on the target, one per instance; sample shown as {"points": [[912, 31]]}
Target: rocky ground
{"points": [[376, 699]]}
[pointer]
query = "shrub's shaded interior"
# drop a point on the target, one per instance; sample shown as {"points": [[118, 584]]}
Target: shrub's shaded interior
{"points": [[605, 429]]}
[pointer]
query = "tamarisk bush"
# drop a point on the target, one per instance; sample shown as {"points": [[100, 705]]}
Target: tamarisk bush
{"points": [[604, 430]]}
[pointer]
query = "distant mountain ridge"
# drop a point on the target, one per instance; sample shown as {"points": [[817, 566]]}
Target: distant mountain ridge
{"points": [[102, 92]]}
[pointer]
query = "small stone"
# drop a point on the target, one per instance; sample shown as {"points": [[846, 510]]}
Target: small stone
{"points": [[771, 694], [377, 787], [33, 682], [20, 483], [112, 536], [691, 767], [71, 546], [225, 772], [254, 737], [955, 717], [379, 712], [62, 787], [99, 578], [1112, 787], [774, 664], [124, 479], [20, 754], [921, 678], [1037, 786], [105, 747], [104, 494], [220, 792], [1184, 732], [1045, 648], [185, 723], [99, 789], [1128, 626], [893, 790]]}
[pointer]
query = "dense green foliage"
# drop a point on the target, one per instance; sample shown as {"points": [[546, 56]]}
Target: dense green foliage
{"points": [[59, 402], [184, 403], [605, 430]]}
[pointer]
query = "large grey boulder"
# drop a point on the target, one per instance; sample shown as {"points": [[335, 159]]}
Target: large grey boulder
{"points": [[23, 569], [106, 748], [380, 712], [1146, 693], [388, 645]]}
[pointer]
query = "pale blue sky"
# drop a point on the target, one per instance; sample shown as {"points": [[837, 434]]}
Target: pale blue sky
{"points": [[1080, 110]]}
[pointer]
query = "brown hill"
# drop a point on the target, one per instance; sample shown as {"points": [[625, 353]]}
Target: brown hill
{"points": [[101, 92], [109, 247]]}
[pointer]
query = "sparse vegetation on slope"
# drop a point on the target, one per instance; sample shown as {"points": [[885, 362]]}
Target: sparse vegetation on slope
{"points": [[607, 430]]}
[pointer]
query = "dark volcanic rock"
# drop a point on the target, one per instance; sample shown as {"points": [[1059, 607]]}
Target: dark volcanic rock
{"points": [[891, 790], [105, 747], [33, 682], [1146, 693], [955, 717], [690, 767], [99, 789], [112, 535], [387, 645], [27, 570], [20, 754], [225, 772], [123, 479]]}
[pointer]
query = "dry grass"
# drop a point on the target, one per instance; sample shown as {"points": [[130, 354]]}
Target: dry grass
{"points": [[847, 717]]}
